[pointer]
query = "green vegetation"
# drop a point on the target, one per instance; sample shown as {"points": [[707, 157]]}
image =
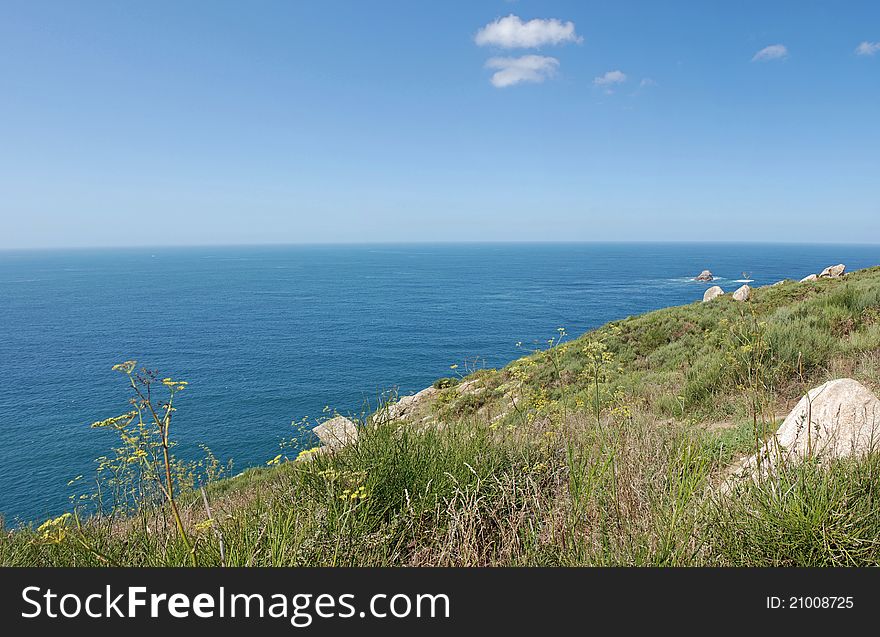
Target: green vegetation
{"points": [[602, 450], [445, 383]]}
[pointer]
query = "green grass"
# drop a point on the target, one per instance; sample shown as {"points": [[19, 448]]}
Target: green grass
{"points": [[683, 361], [532, 469], [809, 515]]}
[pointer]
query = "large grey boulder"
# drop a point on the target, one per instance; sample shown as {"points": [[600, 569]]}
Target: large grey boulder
{"points": [[743, 293], [809, 278], [407, 405], [838, 419], [833, 271], [337, 432], [705, 275], [712, 293]]}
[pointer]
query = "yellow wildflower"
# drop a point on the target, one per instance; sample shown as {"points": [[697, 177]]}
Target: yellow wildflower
{"points": [[274, 461]]}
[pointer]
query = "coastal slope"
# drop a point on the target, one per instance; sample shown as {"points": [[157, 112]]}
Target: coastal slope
{"points": [[605, 449]]}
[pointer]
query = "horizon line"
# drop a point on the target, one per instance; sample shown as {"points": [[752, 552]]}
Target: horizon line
{"points": [[183, 246]]}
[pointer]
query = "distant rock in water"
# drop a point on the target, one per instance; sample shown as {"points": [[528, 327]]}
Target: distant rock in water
{"points": [[833, 271], [712, 293], [743, 293], [337, 432], [705, 275], [838, 419], [809, 278]]}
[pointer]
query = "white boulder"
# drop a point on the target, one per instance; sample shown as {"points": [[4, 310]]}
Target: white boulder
{"points": [[743, 293], [712, 293], [337, 432], [838, 419], [833, 271], [808, 278]]}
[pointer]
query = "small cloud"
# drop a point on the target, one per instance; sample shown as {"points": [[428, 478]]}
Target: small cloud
{"points": [[644, 83], [610, 78], [512, 33], [528, 68], [772, 52], [868, 48]]}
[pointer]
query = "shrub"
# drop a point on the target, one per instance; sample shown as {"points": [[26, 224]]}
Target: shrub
{"points": [[446, 383]]}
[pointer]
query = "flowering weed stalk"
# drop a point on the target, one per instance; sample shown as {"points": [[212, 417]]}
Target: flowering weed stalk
{"points": [[150, 415]]}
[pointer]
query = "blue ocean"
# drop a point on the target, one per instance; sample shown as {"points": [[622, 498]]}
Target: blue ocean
{"points": [[270, 335]]}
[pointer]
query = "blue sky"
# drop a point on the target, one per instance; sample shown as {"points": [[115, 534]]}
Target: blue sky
{"points": [[283, 122]]}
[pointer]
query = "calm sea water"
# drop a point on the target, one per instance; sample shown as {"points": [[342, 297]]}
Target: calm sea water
{"points": [[270, 335]]}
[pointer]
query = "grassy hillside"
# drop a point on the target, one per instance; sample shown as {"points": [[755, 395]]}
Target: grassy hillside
{"points": [[598, 450]]}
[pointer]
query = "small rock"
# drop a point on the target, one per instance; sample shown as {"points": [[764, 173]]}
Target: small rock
{"points": [[833, 271], [712, 293], [779, 283], [705, 275], [743, 293], [808, 279], [337, 432]]}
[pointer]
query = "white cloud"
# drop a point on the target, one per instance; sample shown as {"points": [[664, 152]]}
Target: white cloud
{"points": [[511, 33], [610, 78], [647, 81], [772, 52], [868, 48], [528, 68]]}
